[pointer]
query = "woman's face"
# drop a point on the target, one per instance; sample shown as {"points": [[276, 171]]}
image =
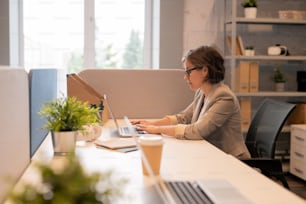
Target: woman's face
{"points": [[194, 75]]}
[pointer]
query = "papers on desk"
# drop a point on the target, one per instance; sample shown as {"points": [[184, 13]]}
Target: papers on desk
{"points": [[119, 144]]}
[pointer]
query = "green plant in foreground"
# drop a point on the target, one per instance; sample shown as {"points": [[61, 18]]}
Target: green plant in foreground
{"points": [[69, 185], [68, 114]]}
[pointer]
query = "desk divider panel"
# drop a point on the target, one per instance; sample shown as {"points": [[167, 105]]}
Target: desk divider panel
{"points": [[14, 126], [43, 88], [79, 88], [141, 93]]}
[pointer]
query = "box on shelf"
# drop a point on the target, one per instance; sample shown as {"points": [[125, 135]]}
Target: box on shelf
{"points": [[247, 77], [301, 80], [298, 115], [242, 81], [292, 14], [246, 112], [253, 77]]}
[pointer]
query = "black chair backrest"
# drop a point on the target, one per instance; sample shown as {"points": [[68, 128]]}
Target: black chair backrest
{"points": [[265, 126]]}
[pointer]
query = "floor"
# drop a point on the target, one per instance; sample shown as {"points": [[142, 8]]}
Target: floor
{"points": [[297, 185]]}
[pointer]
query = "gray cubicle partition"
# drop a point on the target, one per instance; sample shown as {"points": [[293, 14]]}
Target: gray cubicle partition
{"points": [[14, 126], [141, 93], [43, 88]]}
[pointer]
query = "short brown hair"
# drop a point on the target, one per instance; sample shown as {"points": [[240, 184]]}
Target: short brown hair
{"points": [[209, 57]]}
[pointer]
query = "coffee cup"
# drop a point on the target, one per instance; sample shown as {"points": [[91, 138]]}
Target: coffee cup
{"points": [[151, 150], [277, 50]]}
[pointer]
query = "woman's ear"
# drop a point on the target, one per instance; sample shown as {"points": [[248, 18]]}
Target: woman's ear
{"points": [[205, 71]]}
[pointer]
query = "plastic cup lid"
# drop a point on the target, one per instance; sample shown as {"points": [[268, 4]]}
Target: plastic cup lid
{"points": [[151, 140]]}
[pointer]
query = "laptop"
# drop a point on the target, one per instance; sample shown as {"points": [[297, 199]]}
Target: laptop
{"points": [[202, 191], [123, 131]]}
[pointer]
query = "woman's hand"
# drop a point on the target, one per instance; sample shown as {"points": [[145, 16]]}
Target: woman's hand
{"points": [[158, 122], [152, 129], [141, 122], [156, 129]]}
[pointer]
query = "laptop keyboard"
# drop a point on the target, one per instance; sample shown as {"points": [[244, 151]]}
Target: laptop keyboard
{"points": [[186, 192], [126, 130]]}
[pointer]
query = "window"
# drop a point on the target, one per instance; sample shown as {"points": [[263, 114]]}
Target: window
{"points": [[119, 33], [55, 34]]}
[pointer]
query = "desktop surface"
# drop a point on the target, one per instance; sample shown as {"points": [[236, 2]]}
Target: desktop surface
{"points": [[181, 160]]}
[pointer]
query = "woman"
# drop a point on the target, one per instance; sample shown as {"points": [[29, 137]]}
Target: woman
{"points": [[214, 114]]}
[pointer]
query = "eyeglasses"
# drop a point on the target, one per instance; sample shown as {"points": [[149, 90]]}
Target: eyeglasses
{"points": [[189, 70]]}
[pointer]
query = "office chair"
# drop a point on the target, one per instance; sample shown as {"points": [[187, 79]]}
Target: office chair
{"points": [[261, 137]]}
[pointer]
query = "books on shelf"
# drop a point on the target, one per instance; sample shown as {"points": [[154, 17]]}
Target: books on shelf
{"points": [[242, 77], [253, 77], [245, 111], [247, 77], [239, 47]]}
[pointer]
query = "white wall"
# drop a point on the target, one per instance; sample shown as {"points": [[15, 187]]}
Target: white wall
{"points": [[203, 23]]}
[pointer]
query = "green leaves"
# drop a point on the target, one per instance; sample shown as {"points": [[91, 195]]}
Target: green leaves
{"points": [[68, 114], [249, 3], [278, 76], [70, 185]]}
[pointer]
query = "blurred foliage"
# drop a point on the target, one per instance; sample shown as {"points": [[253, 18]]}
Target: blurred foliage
{"points": [[69, 185]]}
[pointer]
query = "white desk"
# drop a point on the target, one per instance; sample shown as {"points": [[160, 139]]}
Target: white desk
{"points": [[181, 160]]}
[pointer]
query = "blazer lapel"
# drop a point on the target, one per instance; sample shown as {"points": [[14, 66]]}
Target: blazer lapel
{"points": [[197, 109]]}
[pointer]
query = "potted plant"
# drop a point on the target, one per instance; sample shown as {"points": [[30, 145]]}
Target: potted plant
{"points": [[69, 183], [250, 8], [65, 118], [279, 79], [249, 51]]}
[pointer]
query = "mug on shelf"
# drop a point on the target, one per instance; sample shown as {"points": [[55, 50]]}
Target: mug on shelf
{"points": [[278, 50]]}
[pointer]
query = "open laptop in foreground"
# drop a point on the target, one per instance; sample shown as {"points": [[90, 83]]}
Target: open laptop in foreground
{"points": [[202, 191], [123, 131]]}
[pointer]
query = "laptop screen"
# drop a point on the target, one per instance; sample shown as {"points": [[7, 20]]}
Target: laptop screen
{"points": [[110, 111]]}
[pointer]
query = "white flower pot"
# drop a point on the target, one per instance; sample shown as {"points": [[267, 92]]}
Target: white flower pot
{"points": [[63, 142], [250, 12], [249, 53], [280, 87]]}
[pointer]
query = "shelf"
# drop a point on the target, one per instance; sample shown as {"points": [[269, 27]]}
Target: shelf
{"points": [[241, 20], [272, 94], [267, 57], [236, 27]]}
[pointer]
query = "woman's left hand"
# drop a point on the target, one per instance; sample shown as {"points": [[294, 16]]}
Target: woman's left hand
{"points": [[149, 128]]}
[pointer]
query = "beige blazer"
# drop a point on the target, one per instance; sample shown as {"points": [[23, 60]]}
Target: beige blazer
{"points": [[215, 118]]}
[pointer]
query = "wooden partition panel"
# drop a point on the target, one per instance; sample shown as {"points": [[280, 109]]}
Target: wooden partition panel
{"points": [[141, 93], [83, 91]]}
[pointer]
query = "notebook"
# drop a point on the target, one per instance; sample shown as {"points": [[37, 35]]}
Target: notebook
{"points": [[123, 131], [202, 191], [117, 143]]}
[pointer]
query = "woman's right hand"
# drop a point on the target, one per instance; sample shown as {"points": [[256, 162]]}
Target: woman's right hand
{"points": [[141, 122]]}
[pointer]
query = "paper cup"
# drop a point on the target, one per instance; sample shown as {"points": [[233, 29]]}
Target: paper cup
{"points": [[151, 148]]}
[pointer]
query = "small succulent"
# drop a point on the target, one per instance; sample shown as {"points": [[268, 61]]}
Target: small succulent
{"points": [[249, 3], [278, 76]]}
